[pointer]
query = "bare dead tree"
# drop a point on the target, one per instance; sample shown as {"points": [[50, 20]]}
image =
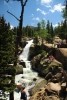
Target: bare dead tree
{"points": [[23, 4], [20, 19], [19, 33], [13, 15]]}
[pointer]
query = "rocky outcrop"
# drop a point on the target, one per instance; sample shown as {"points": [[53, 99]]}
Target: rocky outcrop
{"points": [[55, 88], [37, 87], [34, 50], [22, 63], [61, 55], [43, 64], [19, 69], [51, 91], [51, 65]]}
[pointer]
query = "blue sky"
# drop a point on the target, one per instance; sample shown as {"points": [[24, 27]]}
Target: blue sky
{"points": [[35, 11]]}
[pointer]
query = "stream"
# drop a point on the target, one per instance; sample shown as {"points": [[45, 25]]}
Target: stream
{"points": [[26, 79]]}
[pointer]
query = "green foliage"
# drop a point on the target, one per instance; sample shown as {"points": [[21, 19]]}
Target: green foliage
{"points": [[49, 28], [38, 26], [36, 34], [42, 24], [61, 30], [48, 38], [7, 55], [43, 53], [28, 31], [65, 11], [45, 31]]}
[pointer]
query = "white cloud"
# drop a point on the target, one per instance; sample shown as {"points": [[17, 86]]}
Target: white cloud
{"points": [[41, 11], [48, 6], [46, 1], [57, 7], [11, 26], [37, 19], [32, 15], [55, 25]]}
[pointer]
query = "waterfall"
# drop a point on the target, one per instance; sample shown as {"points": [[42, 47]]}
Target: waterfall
{"points": [[28, 75], [25, 79], [24, 54]]}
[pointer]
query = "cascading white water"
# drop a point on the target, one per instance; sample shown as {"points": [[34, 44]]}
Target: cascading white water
{"points": [[24, 57], [28, 75], [24, 54]]}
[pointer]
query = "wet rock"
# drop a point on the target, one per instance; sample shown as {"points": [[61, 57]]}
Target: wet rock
{"points": [[19, 69], [34, 79], [22, 63]]}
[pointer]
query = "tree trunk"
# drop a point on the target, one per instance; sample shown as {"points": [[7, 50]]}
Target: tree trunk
{"points": [[19, 34], [12, 92], [11, 96]]}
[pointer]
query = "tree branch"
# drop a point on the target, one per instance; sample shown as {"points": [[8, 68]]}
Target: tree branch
{"points": [[21, 2], [13, 15], [25, 3]]}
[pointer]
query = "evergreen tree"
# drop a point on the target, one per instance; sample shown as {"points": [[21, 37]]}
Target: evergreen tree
{"points": [[38, 26], [43, 24], [48, 26], [65, 11], [51, 30], [42, 32], [7, 56]]}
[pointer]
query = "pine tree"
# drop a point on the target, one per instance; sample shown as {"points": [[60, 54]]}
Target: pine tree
{"points": [[7, 56], [51, 30], [48, 26], [38, 26], [65, 11]]}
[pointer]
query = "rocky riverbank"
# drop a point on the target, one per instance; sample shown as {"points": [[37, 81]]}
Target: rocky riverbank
{"points": [[50, 63], [51, 91]]}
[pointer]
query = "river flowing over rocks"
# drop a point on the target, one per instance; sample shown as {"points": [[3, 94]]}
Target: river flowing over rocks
{"points": [[42, 71], [29, 77]]}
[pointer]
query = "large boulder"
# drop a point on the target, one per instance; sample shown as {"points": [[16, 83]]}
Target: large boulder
{"points": [[61, 56], [22, 63], [43, 64], [48, 92], [34, 50], [55, 63], [19, 69], [37, 87], [38, 65], [56, 87]]}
